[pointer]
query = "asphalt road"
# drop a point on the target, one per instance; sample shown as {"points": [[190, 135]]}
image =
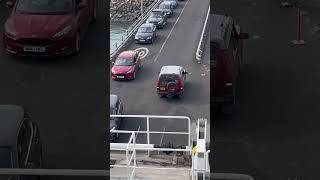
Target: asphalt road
{"points": [[65, 96], [176, 45], [274, 132]]}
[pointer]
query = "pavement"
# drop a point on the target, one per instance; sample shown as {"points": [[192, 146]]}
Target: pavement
{"points": [[176, 45], [273, 133], [65, 96]]}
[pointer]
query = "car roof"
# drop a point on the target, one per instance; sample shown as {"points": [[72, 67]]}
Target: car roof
{"points": [[220, 29], [170, 70], [166, 3], [113, 100], [11, 117], [127, 54], [147, 25]]}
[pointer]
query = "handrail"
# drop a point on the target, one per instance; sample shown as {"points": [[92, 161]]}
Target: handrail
{"points": [[201, 42], [132, 29]]}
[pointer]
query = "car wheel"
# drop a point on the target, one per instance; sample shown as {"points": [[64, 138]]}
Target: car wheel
{"points": [[181, 95], [94, 14], [134, 75], [77, 44], [151, 40]]}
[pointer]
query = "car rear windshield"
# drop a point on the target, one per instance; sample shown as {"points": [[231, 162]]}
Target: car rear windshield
{"points": [[5, 158], [145, 29], [123, 62], [213, 54], [45, 6], [155, 15], [166, 78], [164, 6]]}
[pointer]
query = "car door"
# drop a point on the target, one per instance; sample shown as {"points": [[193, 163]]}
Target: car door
{"points": [[119, 112]]}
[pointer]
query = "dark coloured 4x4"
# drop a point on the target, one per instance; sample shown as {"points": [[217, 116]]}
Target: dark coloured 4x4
{"points": [[20, 144], [116, 108], [171, 81]]}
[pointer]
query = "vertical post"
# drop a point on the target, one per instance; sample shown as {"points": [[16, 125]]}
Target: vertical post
{"points": [[141, 7], [298, 41], [189, 135], [134, 155], [127, 158], [148, 134]]}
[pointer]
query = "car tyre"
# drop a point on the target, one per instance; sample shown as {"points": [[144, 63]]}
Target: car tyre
{"points": [[151, 40], [134, 76]]}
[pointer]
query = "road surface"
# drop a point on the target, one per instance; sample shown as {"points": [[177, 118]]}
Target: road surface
{"points": [[176, 45]]}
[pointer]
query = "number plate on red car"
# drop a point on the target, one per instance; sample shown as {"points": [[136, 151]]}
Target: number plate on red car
{"points": [[120, 77], [162, 89], [34, 49]]}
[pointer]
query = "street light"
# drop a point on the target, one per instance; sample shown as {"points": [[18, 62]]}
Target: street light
{"points": [[141, 7]]}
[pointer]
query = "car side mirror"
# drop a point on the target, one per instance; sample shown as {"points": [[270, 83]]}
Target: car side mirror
{"points": [[9, 4], [243, 36], [112, 62], [81, 6], [185, 72]]}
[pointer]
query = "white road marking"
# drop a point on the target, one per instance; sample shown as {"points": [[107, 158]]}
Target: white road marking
{"points": [[156, 58], [142, 52]]}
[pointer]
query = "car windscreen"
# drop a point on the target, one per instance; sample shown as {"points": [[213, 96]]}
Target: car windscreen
{"points": [[45, 6], [5, 158], [145, 30], [166, 78], [155, 15], [123, 62]]}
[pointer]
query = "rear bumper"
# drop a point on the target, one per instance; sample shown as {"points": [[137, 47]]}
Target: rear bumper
{"points": [[126, 76], [166, 93], [146, 41]]}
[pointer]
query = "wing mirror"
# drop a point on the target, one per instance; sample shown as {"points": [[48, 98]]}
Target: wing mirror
{"points": [[185, 72], [81, 5], [243, 36], [112, 62], [9, 5]]}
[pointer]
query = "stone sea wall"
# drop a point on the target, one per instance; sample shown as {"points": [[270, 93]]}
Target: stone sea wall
{"points": [[127, 10]]}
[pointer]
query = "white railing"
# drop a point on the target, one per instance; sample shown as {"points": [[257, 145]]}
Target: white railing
{"points": [[132, 29], [203, 38], [153, 117]]}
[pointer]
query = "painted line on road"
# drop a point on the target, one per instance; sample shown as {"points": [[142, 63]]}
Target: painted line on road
{"points": [[156, 58]]}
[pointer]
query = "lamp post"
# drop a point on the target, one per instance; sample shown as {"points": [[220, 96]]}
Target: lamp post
{"points": [[141, 7]]}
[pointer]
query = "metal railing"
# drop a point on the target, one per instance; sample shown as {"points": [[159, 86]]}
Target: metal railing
{"points": [[132, 29], [153, 117], [203, 38]]}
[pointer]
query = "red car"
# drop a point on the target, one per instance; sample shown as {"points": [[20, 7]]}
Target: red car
{"points": [[47, 27], [126, 66]]}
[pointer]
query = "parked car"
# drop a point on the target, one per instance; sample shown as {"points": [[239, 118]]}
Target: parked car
{"points": [[174, 3], [157, 17], [167, 8], [116, 108], [20, 142], [146, 33], [48, 28], [226, 51], [126, 66], [171, 81]]}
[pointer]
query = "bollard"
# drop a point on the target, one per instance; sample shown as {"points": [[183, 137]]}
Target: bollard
{"points": [[298, 41]]}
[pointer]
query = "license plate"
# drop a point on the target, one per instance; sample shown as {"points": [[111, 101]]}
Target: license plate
{"points": [[34, 49], [162, 89], [120, 76], [142, 40]]}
